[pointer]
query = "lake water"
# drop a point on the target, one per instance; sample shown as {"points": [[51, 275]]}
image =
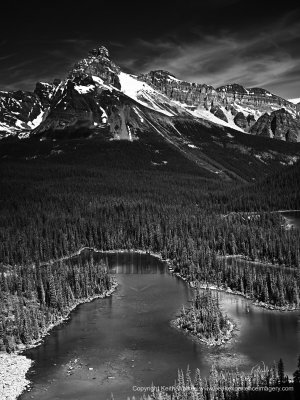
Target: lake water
{"points": [[126, 340]]}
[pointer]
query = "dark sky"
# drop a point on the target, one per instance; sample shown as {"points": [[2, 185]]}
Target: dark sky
{"points": [[254, 43]]}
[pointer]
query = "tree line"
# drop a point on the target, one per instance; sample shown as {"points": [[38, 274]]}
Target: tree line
{"points": [[262, 382]]}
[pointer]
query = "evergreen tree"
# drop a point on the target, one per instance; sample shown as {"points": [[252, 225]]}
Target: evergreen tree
{"points": [[296, 376], [281, 376]]}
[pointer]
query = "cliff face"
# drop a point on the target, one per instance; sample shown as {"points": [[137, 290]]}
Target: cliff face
{"points": [[279, 125], [97, 95], [244, 106], [46, 91], [191, 94], [98, 98], [19, 111], [97, 64], [257, 98], [195, 94]]}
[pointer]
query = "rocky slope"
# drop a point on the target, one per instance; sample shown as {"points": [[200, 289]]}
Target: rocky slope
{"points": [[256, 99], [190, 94], [232, 104], [20, 112], [279, 125], [97, 98], [234, 96]]}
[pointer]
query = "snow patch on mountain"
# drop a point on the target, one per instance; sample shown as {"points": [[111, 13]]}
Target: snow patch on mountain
{"points": [[142, 93], [248, 110], [100, 82], [84, 89], [172, 78], [21, 124], [295, 101], [6, 128], [104, 116], [36, 122], [138, 114], [207, 115]]}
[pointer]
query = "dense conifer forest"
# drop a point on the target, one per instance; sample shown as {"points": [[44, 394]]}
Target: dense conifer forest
{"points": [[111, 196], [278, 191]]}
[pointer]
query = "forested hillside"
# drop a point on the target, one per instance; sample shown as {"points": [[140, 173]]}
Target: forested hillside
{"points": [[277, 191], [110, 196]]}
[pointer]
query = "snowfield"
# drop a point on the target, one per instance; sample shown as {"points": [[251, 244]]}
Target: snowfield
{"points": [[295, 101], [207, 115], [142, 93]]}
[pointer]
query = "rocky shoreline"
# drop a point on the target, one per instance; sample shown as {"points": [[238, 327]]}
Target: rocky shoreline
{"points": [[13, 369], [14, 366]]}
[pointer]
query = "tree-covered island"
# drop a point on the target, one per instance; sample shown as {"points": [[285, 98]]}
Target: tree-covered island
{"points": [[204, 320]]}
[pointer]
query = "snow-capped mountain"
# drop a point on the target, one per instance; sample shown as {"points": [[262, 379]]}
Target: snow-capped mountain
{"points": [[232, 105], [97, 97]]}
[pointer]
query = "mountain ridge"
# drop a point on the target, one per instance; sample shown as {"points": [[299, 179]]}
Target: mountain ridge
{"points": [[98, 100], [228, 105]]}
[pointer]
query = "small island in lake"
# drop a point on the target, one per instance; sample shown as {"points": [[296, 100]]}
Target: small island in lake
{"points": [[205, 320]]}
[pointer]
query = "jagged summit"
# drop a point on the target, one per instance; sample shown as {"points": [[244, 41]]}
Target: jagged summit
{"points": [[233, 87], [101, 51], [279, 125], [162, 72], [239, 89], [97, 94], [97, 64]]}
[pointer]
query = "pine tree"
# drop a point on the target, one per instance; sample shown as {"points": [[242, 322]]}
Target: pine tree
{"points": [[296, 376], [280, 369]]}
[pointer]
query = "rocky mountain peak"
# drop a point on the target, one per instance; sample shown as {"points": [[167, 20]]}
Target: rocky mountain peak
{"points": [[232, 88], [45, 91], [97, 64], [162, 73], [87, 94], [99, 52], [259, 91], [279, 125]]}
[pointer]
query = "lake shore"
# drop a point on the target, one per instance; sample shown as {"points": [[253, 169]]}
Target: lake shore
{"points": [[238, 293], [14, 366], [202, 286], [12, 387], [13, 369]]}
